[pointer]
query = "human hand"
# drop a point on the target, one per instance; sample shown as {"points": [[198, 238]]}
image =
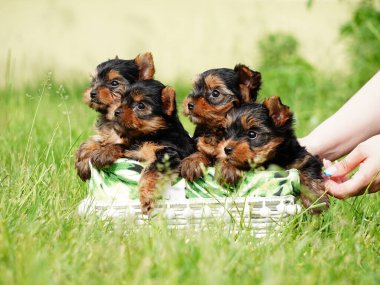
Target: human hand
{"points": [[367, 156]]}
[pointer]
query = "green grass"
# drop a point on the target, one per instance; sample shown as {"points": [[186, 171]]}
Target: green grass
{"points": [[43, 241]]}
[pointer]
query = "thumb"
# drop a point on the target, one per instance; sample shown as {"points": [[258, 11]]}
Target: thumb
{"points": [[346, 165]]}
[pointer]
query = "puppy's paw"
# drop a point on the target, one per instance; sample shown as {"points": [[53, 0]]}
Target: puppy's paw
{"points": [[228, 174], [83, 169], [82, 159], [314, 197], [191, 169], [146, 204], [168, 156], [106, 155]]}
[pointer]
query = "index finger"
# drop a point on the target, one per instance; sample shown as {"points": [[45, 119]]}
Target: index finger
{"points": [[346, 165], [353, 186]]}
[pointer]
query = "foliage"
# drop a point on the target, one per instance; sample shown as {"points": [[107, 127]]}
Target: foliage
{"points": [[363, 35]]}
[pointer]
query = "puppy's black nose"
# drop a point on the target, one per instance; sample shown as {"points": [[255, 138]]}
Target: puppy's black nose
{"points": [[191, 106], [117, 113], [228, 150], [93, 94]]}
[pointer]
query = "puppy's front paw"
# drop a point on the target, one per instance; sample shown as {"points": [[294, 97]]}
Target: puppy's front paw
{"points": [[146, 204], [313, 196], [106, 155], [168, 156], [83, 169], [229, 174], [191, 169]]}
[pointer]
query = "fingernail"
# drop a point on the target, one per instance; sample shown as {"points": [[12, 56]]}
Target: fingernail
{"points": [[330, 171]]}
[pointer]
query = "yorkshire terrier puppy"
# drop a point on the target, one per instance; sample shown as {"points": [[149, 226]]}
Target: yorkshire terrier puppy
{"points": [[261, 135], [148, 118], [215, 92], [110, 82]]}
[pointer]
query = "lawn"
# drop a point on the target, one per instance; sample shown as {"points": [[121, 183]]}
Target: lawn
{"points": [[44, 241]]}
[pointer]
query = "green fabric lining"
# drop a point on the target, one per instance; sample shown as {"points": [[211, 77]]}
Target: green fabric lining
{"points": [[120, 181]]}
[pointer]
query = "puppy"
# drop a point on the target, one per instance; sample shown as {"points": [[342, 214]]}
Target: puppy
{"points": [[215, 92], [110, 82], [148, 118], [261, 135]]}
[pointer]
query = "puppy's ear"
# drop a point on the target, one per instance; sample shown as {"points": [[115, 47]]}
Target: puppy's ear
{"points": [[146, 66], [116, 57], [168, 100], [250, 82], [279, 112]]}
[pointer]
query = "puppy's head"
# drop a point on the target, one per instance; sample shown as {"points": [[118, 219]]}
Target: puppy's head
{"points": [[216, 91], [113, 77], [254, 132], [147, 107]]}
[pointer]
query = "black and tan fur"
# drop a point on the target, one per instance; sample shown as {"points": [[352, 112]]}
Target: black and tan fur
{"points": [[215, 92], [110, 82], [148, 118], [261, 135]]}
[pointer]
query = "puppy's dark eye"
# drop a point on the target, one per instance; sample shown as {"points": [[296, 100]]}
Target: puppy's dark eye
{"points": [[215, 93], [252, 134], [114, 83], [141, 106]]}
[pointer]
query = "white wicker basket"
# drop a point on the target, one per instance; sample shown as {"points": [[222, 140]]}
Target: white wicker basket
{"points": [[259, 215], [112, 197]]}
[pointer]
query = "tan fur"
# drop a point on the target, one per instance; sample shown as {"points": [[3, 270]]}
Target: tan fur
{"points": [[244, 90], [249, 81], [212, 82], [243, 155], [227, 173], [146, 153], [99, 151], [168, 100], [147, 189], [137, 96], [113, 74], [146, 66], [205, 113], [185, 107], [138, 126], [247, 122], [315, 189], [154, 124], [208, 145], [191, 166], [299, 163], [86, 96], [280, 113]]}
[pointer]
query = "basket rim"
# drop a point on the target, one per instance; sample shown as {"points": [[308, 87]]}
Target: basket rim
{"points": [[192, 202]]}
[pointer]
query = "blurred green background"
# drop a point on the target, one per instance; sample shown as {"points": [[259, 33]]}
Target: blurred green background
{"points": [[314, 54]]}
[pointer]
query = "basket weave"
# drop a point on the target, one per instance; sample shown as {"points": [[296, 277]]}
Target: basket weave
{"points": [[260, 215], [113, 195]]}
